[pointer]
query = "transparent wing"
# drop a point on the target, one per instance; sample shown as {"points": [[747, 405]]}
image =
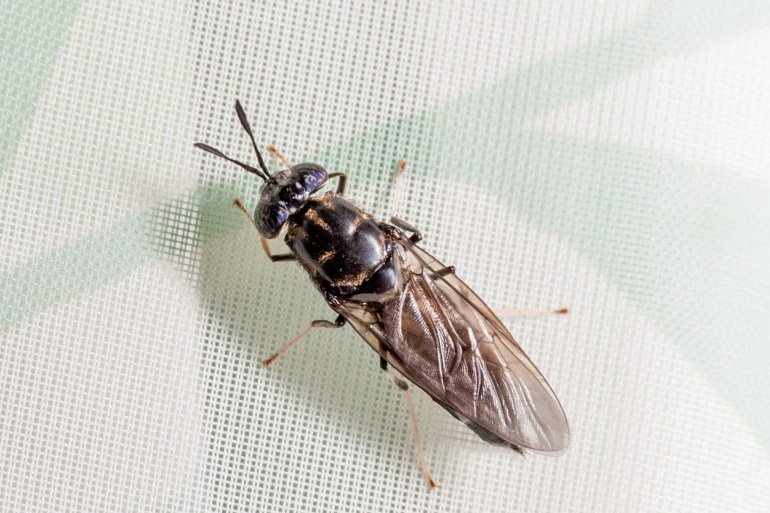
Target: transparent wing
{"points": [[442, 337]]}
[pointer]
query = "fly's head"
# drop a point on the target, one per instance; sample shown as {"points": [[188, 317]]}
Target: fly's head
{"points": [[285, 193]]}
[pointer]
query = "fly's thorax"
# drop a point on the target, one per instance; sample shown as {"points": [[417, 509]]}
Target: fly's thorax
{"points": [[340, 246], [284, 194]]}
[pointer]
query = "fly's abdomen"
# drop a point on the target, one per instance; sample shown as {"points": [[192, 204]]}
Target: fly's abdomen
{"points": [[338, 244]]}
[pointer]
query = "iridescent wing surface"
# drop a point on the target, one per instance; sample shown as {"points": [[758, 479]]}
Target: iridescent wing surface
{"points": [[441, 336]]}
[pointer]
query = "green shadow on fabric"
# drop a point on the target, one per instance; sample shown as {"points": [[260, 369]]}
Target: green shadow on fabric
{"points": [[32, 35], [66, 273]]}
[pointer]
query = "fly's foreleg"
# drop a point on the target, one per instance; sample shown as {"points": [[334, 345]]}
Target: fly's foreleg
{"points": [[274, 151], [284, 257], [343, 179]]}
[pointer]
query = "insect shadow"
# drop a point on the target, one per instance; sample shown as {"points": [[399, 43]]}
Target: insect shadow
{"points": [[250, 307]]}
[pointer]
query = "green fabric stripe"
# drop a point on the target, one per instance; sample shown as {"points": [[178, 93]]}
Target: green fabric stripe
{"points": [[31, 34]]}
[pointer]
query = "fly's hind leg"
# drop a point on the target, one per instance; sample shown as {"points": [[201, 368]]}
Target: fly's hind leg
{"points": [[338, 323], [416, 237], [512, 312], [401, 384]]}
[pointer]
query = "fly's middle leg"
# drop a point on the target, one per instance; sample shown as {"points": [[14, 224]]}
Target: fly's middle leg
{"points": [[394, 219], [338, 323], [399, 186], [400, 223]]}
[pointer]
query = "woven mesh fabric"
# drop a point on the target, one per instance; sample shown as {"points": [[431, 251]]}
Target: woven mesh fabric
{"points": [[610, 157]]}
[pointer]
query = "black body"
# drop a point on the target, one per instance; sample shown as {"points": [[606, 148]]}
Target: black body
{"points": [[343, 249], [414, 311]]}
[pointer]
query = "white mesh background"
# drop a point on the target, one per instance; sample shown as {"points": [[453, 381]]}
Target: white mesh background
{"points": [[607, 156]]}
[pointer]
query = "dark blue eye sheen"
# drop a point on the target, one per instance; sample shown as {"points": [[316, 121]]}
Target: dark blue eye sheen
{"points": [[285, 193], [312, 176], [270, 219]]}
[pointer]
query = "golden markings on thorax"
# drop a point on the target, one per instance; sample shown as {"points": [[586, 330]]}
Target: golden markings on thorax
{"points": [[313, 217], [326, 256], [326, 201], [353, 281]]}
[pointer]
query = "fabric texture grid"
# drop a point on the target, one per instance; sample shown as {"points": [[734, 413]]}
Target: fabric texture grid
{"points": [[609, 157]]}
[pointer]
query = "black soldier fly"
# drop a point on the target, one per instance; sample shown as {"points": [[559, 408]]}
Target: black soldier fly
{"points": [[414, 311]]}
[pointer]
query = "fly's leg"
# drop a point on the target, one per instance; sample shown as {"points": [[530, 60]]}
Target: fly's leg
{"points": [[401, 384], [284, 257], [505, 312], [338, 323], [509, 312], [394, 219], [399, 186], [512, 312], [416, 237], [237, 203], [400, 223], [341, 184], [272, 149]]}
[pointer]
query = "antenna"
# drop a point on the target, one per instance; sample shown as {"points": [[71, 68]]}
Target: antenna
{"points": [[214, 151], [247, 127]]}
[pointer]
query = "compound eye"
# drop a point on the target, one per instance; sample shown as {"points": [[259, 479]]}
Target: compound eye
{"points": [[270, 219], [313, 176]]}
